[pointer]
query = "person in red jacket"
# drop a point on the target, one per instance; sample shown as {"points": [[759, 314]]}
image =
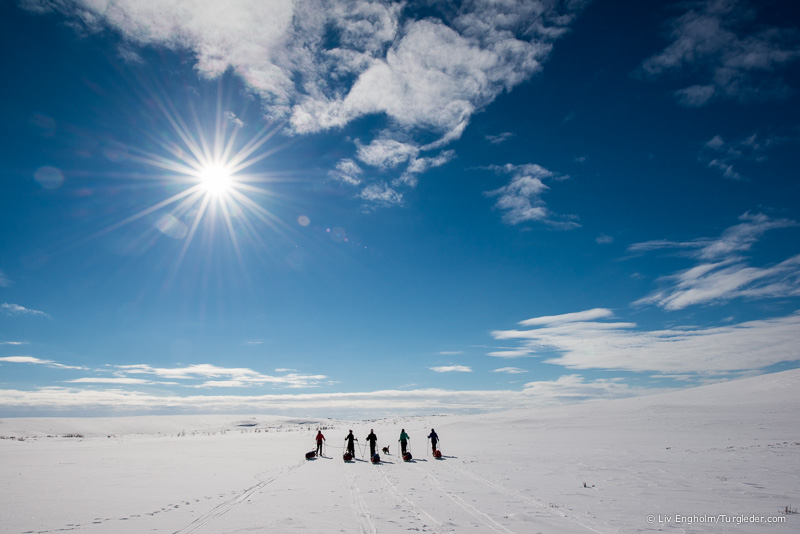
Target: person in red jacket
{"points": [[320, 439]]}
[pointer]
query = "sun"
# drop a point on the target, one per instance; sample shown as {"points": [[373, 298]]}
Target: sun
{"points": [[216, 179], [212, 179]]}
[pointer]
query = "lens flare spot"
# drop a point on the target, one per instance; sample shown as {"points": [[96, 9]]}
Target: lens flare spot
{"points": [[338, 235], [303, 220], [171, 226], [49, 177]]}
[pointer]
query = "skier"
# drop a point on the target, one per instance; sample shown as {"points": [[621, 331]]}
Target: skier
{"points": [[434, 437], [372, 439], [351, 448], [320, 439], [403, 441]]}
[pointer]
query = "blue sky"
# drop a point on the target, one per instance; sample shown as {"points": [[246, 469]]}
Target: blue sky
{"points": [[365, 208]]}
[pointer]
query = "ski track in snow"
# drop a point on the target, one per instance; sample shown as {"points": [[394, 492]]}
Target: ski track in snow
{"points": [[225, 507], [473, 511], [414, 508], [529, 500], [359, 506]]}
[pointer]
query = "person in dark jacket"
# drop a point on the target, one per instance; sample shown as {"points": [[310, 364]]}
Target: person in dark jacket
{"points": [[373, 440], [403, 440], [351, 448], [320, 439], [434, 437]]}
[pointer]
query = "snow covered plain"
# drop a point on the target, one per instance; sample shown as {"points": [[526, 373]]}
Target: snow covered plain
{"points": [[711, 459]]}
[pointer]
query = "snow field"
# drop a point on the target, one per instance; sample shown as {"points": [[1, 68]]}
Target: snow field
{"points": [[724, 451]]}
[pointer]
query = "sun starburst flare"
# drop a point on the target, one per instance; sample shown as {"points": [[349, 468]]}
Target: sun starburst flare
{"points": [[218, 189]]}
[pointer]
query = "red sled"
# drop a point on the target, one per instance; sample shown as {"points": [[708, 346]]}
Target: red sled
{"points": [[376, 459], [407, 456], [347, 457], [437, 453], [310, 455]]}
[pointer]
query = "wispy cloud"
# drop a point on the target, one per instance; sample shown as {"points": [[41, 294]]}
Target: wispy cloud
{"points": [[572, 388], [16, 309], [733, 56], [13, 342], [499, 138], [386, 153], [422, 165], [588, 315], [711, 283], [37, 361], [347, 171], [510, 370], [426, 75], [722, 155], [521, 199], [722, 273], [5, 281], [452, 369], [381, 194], [515, 353], [233, 377], [567, 389], [593, 344], [119, 381]]}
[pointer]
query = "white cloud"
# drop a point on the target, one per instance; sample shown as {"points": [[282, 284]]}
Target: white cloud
{"points": [[600, 345], [735, 58], [588, 315], [711, 283], [722, 274], [347, 171], [510, 370], [521, 199], [232, 118], [381, 194], [24, 359], [517, 353], [386, 153], [119, 381], [421, 165], [499, 138], [722, 155], [16, 309], [13, 343], [569, 389], [742, 237], [36, 361], [236, 377], [425, 76], [5, 281], [452, 369]]}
